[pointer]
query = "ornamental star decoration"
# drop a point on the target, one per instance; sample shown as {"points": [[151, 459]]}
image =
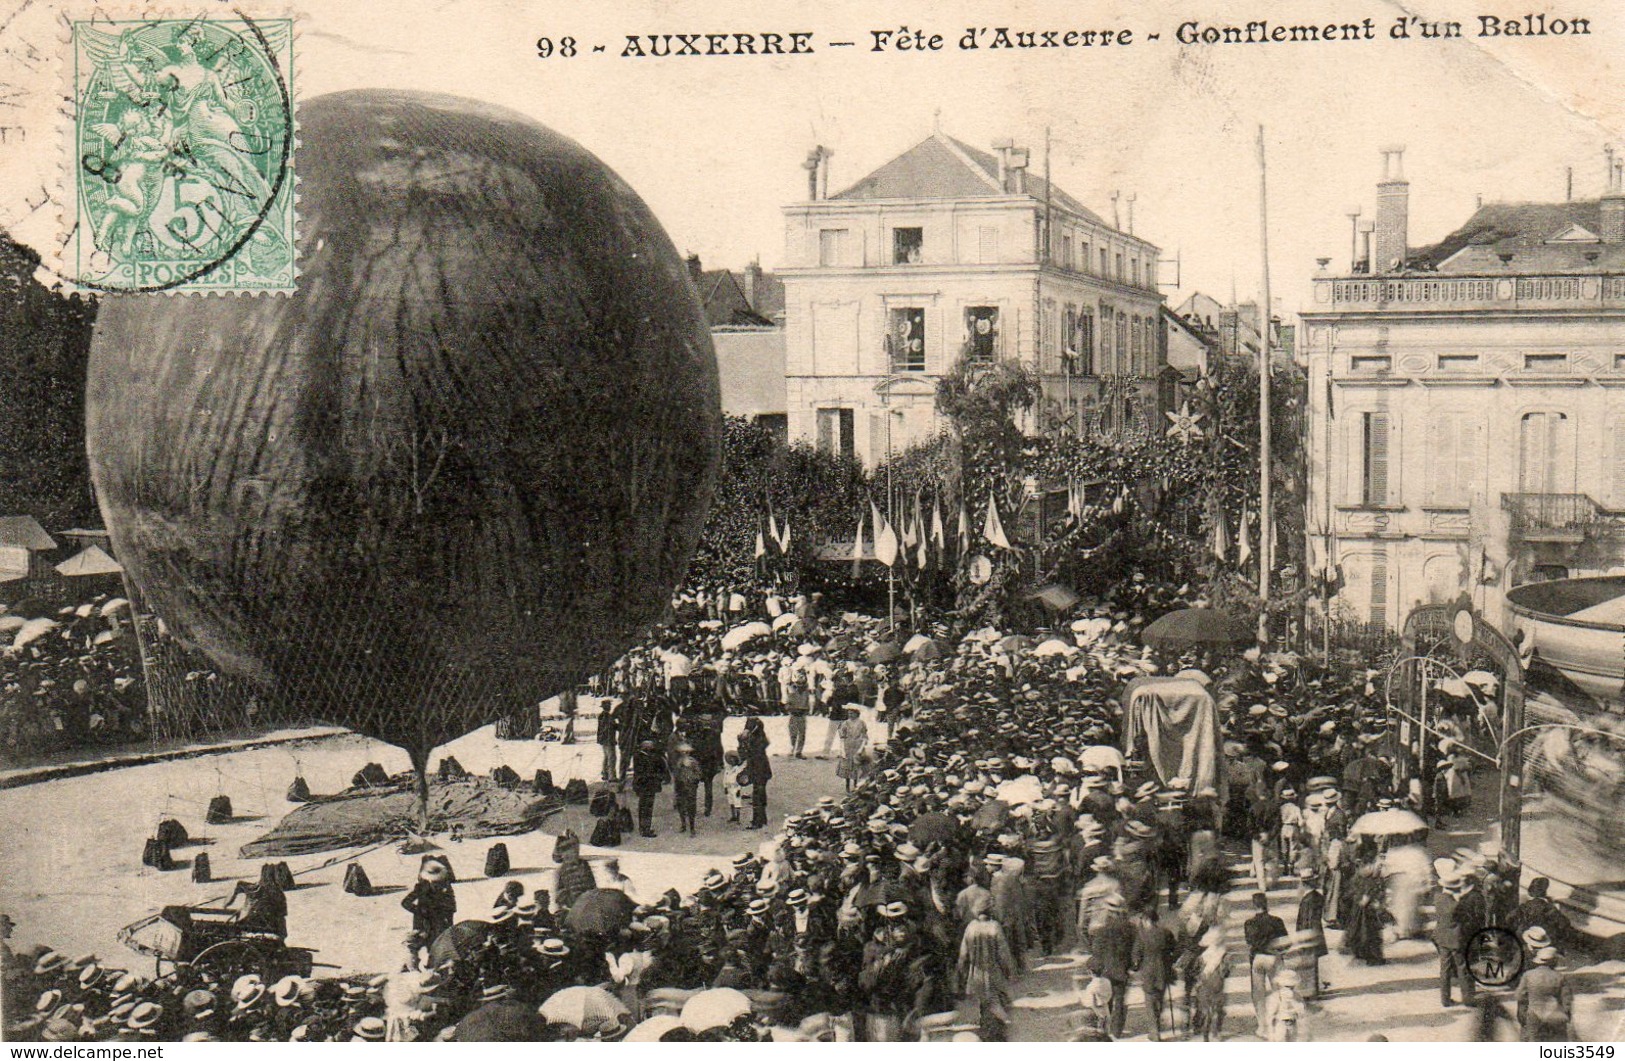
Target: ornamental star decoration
{"points": [[1185, 425]]}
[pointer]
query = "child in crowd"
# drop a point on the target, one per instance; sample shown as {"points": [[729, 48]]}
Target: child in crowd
{"points": [[731, 770], [685, 774]]}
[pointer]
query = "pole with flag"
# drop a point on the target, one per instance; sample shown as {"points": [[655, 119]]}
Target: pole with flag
{"points": [[963, 530], [1266, 507], [857, 548]]}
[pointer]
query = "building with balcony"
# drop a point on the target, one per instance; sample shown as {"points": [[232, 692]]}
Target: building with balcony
{"points": [[948, 250], [1467, 403]]}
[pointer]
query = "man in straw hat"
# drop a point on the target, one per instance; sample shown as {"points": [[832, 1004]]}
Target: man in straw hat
{"points": [[1545, 1000], [1448, 938]]}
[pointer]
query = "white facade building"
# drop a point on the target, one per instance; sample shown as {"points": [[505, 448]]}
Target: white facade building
{"points": [[942, 251]]}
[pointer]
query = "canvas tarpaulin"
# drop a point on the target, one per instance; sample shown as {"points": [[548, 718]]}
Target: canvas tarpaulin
{"points": [[359, 817], [1180, 724]]}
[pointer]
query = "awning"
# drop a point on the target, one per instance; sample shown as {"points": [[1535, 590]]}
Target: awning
{"points": [[92, 560]]}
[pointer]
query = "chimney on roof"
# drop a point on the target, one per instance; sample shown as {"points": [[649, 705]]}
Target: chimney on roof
{"points": [[1393, 212], [694, 267], [817, 167], [1002, 150], [1019, 159], [1613, 200], [752, 284]]}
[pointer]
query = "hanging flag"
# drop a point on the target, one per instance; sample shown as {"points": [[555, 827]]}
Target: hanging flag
{"points": [[761, 546], [910, 533], [919, 519], [964, 529], [1244, 547], [857, 547], [1073, 508], [772, 525], [924, 554], [993, 530], [784, 539], [939, 536], [885, 537], [1221, 539]]}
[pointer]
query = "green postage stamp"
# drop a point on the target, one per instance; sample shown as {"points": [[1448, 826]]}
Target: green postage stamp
{"points": [[182, 168]]}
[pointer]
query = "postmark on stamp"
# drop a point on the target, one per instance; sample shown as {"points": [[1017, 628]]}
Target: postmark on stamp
{"points": [[182, 167]]}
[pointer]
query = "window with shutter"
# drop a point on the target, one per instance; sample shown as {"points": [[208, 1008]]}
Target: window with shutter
{"points": [[1444, 466], [1379, 586], [1546, 455], [1374, 482]]}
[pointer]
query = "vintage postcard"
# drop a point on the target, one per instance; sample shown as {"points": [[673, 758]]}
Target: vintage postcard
{"points": [[710, 522]]}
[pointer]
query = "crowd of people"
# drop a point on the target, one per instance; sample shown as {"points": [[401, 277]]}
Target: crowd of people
{"points": [[70, 676], [994, 820]]}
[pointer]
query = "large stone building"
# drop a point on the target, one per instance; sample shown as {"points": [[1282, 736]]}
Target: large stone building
{"points": [[1467, 427], [948, 250]]}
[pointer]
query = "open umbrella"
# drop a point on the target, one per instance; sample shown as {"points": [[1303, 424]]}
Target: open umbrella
{"points": [[715, 1008], [933, 827], [1098, 757], [883, 652], [591, 1009], [741, 635], [117, 604], [652, 1029], [927, 649], [784, 621], [601, 912], [1015, 643], [1395, 822], [1055, 647], [460, 941], [1194, 628], [33, 630], [500, 1022], [990, 815]]}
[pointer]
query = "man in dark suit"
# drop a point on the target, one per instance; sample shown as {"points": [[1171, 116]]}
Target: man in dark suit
{"points": [[1471, 914], [649, 774], [1114, 946], [1311, 935], [1155, 949], [1262, 930], [1448, 942]]}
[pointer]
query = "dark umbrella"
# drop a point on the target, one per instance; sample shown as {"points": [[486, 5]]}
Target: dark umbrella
{"points": [[883, 652], [1194, 627], [501, 1022], [601, 912], [462, 940], [932, 828], [991, 815]]}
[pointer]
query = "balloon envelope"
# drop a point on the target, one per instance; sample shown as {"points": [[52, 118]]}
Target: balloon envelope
{"points": [[456, 472]]}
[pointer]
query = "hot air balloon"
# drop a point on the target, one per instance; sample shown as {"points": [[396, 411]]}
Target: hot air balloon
{"points": [[459, 470]]}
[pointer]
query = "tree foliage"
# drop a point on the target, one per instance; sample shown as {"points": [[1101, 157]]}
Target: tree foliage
{"points": [[42, 396], [820, 494]]}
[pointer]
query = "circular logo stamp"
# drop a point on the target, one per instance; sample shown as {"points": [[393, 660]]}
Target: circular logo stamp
{"points": [[1494, 957]]}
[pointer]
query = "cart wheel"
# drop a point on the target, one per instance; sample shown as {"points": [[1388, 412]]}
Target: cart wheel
{"points": [[232, 955]]}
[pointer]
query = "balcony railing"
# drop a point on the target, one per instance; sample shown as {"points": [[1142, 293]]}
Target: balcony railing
{"points": [[1455, 292], [1556, 517]]}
